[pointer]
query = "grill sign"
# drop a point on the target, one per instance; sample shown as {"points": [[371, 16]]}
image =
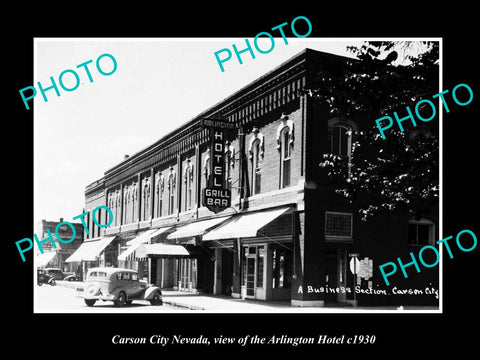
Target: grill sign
{"points": [[215, 197]]}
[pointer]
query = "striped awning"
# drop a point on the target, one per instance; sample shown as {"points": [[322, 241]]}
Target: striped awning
{"points": [[90, 249], [43, 259], [197, 228], [130, 252], [245, 225], [159, 249]]}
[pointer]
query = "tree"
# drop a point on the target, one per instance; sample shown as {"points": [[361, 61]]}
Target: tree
{"points": [[400, 172]]}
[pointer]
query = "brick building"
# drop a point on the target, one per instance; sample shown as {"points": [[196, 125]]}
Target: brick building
{"points": [[56, 257], [287, 235]]}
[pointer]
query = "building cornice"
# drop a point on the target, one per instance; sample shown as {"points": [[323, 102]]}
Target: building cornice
{"points": [[276, 88]]}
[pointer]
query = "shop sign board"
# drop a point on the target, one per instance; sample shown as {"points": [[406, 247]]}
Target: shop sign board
{"points": [[215, 196]]}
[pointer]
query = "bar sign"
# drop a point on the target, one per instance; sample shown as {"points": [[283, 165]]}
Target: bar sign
{"points": [[215, 196]]}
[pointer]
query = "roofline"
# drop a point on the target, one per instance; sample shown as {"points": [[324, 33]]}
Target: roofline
{"points": [[297, 58]]}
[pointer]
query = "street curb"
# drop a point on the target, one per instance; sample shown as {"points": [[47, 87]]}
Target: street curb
{"points": [[185, 306], [70, 284]]}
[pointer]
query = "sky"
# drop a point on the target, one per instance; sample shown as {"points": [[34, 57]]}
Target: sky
{"points": [[158, 85]]}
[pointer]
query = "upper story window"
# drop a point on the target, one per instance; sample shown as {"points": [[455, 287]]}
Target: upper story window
{"points": [[146, 198], [126, 200], [285, 153], [421, 232], [206, 167], [256, 151], [111, 206], [118, 202], [340, 133], [229, 163], [188, 180], [256, 170], [159, 189], [135, 197], [341, 140], [172, 178], [338, 226], [285, 137]]}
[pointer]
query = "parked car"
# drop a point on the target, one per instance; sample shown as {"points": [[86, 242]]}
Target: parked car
{"points": [[55, 273], [71, 277], [44, 278], [119, 285]]}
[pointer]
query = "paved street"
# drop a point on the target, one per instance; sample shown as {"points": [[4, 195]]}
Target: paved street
{"points": [[63, 299], [53, 299]]}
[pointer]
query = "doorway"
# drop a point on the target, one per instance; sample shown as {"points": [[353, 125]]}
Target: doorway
{"points": [[253, 271], [187, 274], [335, 275]]}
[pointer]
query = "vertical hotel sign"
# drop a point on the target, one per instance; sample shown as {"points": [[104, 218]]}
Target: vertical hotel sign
{"points": [[215, 196]]}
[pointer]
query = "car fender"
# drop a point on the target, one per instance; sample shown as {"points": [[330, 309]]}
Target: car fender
{"points": [[116, 291], [150, 291]]}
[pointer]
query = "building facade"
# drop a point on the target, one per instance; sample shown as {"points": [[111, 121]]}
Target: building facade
{"points": [[287, 235], [56, 256]]}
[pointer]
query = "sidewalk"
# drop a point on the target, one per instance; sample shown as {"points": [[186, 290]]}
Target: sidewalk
{"points": [[227, 304], [221, 303]]}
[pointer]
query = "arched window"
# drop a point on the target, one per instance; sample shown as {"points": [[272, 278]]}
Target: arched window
{"points": [[206, 167], [171, 191], [285, 153], [256, 150], [188, 179], [229, 163], [110, 204], [146, 199], [126, 199], [341, 139], [159, 187], [134, 201], [285, 138], [256, 171]]}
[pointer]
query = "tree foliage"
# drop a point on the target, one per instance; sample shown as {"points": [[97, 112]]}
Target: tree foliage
{"points": [[400, 172]]}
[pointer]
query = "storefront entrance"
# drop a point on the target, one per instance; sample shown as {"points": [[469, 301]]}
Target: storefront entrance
{"points": [[253, 274], [187, 274], [250, 277], [335, 275]]}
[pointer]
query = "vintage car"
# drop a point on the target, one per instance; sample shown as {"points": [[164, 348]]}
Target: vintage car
{"points": [[56, 273], [71, 277], [44, 278], [118, 285]]}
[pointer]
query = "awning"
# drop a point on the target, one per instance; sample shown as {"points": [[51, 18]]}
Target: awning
{"points": [[45, 258], [196, 228], [244, 226], [90, 249], [161, 249], [129, 253]]}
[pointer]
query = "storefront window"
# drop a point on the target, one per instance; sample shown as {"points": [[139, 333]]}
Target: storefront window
{"points": [[260, 267]]}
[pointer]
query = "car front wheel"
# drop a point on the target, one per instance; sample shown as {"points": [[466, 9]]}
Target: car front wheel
{"points": [[157, 299], [121, 299], [90, 302]]}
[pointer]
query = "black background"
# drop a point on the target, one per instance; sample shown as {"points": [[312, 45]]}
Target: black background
{"points": [[402, 334]]}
